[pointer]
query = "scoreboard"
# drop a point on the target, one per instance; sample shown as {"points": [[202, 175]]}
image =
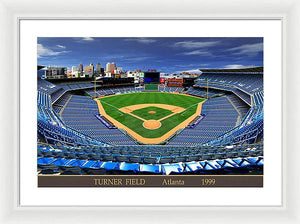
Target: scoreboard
{"points": [[175, 82], [151, 77]]}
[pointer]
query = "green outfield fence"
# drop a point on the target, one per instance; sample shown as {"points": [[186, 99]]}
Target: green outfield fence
{"points": [[153, 87]]}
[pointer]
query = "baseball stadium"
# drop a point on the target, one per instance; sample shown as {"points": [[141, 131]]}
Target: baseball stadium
{"points": [[104, 127]]}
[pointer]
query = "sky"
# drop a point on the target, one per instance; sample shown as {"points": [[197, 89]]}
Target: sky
{"points": [[169, 55]]}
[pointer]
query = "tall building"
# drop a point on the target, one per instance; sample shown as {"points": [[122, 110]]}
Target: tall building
{"points": [[54, 72], [113, 66], [110, 67], [74, 68], [119, 69], [99, 70], [89, 70], [134, 74], [75, 72], [69, 73], [80, 69]]}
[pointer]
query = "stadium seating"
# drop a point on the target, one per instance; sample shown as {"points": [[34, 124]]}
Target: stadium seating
{"points": [[220, 117], [248, 131], [152, 159], [79, 113], [202, 92], [115, 90], [243, 85], [249, 83], [259, 98], [170, 89], [76, 85], [53, 130], [60, 103], [73, 140], [48, 88], [43, 99], [238, 104]]}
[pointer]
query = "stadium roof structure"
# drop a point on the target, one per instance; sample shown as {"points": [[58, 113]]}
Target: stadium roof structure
{"points": [[39, 67], [246, 70]]}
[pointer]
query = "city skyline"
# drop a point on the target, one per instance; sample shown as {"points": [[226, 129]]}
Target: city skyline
{"points": [[170, 55]]}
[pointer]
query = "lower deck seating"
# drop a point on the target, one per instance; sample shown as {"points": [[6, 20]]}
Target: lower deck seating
{"points": [[220, 117], [79, 114], [54, 131], [221, 114], [148, 159], [170, 89], [112, 90], [247, 132]]}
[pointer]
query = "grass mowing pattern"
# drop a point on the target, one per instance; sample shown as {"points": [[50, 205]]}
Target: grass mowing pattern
{"points": [[110, 105]]}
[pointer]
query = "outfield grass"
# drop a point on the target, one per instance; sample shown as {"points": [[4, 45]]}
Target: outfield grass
{"points": [[112, 103], [128, 99]]}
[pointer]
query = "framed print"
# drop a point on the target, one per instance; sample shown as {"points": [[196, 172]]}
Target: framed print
{"points": [[150, 118], [173, 111]]}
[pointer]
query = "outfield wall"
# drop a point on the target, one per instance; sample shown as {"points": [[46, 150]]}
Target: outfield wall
{"points": [[151, 87]]}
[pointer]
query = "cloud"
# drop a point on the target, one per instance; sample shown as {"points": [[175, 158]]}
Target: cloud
{"points": [[87, 39], [142, 40], [83, 39], [136, 59], [126, 58], [247, 49], [191, 65], [197, 71], [61, 46], [113, 57], [237, 66], [43, 51], [197, 52], [195, 44]]}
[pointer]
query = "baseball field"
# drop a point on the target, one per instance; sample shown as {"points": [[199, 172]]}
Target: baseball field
{"points": [[150, 117]]}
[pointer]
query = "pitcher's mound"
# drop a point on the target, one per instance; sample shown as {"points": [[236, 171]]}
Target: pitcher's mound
{"points": [[152, 124], [152, 112]]}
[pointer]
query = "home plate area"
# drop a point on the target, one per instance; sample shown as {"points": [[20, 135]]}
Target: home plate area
{"points": [[152, 124]]}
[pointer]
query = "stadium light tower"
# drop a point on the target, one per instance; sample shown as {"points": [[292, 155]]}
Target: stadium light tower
{"points": [[207, 88], [95, 86]]}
